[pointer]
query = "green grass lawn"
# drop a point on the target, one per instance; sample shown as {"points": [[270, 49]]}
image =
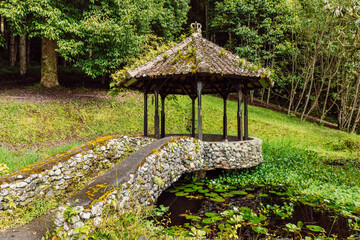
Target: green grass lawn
{"points": [[30, 131], [310, 161]]}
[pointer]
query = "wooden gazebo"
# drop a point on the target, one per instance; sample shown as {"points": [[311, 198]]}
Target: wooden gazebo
{"points": [[194, 67]]}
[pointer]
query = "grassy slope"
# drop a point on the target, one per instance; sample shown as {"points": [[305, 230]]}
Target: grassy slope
{"points": [[35, 130]]}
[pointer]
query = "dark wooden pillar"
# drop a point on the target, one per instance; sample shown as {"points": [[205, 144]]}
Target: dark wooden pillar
{"points": [[193, 117], [239, 116], [199, 89], [145, 114], [157, 135], [246, 127], [225, 119], [163, 115]]}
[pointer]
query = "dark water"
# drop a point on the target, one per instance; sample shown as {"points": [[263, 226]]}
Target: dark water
{"points": [[329, 221]]}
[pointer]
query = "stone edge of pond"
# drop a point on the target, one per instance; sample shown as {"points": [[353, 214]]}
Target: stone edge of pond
{"points": [[140, 179]]}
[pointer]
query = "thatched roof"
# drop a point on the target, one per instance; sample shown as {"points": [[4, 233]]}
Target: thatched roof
{"points": [[195, 58]]}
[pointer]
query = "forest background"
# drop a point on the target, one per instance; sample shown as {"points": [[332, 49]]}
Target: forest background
{"points": [[312, 46]]}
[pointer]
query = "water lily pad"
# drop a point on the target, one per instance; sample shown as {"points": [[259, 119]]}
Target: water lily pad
{"points": [[263, 195], [189, 185], [227, 194], [203, 190], [220, 190], [195, 196], [238, 192], [188, 190], [197, 187], [193, 217], [217, 199], [211, 214], [250, 195], [211, 194], [181, 194], [208, 220], [250, 189], [232, 187]]}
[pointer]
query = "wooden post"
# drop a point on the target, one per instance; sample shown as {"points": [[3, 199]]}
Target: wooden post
{"points": [[163, 116], [199, 89], [193, 117], [239, 116], [246, 127], [145, 115], [225, 119], [157, 135]]}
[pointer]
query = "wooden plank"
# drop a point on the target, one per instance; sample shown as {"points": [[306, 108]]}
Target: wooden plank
{"points": [[193, 117], [163, 116], [199, 89], [157, 135], [246, 127], [239, 116], [145, 115], [225, 120]]}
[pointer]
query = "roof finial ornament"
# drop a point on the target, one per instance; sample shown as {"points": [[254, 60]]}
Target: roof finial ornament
{"points": [[196, 27]]}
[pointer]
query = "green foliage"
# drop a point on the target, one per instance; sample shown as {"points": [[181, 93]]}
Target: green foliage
{"points": [[98, 36], [160, 211], [283, 212], [305, 175], [259, 27]]}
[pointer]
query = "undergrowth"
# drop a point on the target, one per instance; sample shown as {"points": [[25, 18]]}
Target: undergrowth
{"points": [[305, 175]]}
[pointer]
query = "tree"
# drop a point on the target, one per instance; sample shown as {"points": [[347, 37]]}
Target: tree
{"points": [[97, 36]]}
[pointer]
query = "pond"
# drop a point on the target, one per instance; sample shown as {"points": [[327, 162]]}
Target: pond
{"points": [[247, 213]]}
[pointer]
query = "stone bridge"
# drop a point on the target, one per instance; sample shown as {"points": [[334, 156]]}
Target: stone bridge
{"points": [[140, 169]]}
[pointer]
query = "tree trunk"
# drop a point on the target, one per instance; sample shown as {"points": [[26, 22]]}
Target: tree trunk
{"points": [[12, 53], [307, 98], [22, 54], [355, 102], [28, 53], [356, 122], [268, 96], [49, 77]]}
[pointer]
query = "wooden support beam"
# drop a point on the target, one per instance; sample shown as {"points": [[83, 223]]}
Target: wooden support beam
{"points": [[163, 116], [239, 116], [225, 120], [246, 126], [193, 117], [199, 87], [157, 135], [145, 114]]}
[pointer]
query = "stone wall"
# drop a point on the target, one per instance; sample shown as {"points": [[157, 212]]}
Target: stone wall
{"points": [[55, 175], [158, 170]]}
